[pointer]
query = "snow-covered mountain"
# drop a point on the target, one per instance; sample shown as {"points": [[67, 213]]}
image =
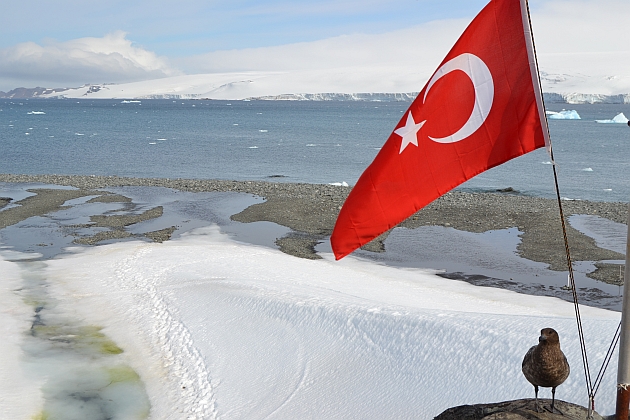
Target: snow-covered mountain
{"points": [[373, 84]]}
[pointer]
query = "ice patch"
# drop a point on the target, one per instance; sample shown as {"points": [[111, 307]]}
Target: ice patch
{"points": [[339, 184], [588, 169], [311, 145], [262, 131], [36, 113], [253, 147], [618, 119], [21, 396], [79, 134], [563, 115]]}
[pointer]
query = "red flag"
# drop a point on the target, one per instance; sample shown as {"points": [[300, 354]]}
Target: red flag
{"points": [[481, 108]]}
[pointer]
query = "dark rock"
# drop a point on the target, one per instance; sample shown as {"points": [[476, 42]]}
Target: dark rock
{"points": [[4, 201], [517, 410]]}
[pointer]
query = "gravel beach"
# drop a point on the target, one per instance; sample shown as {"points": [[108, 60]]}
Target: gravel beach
{"points": [[310, 211]]}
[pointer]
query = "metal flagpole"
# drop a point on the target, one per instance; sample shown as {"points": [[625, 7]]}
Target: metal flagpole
{"points": [[623, 368]]}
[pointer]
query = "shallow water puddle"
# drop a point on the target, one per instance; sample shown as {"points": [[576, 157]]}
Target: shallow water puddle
{"points": [[488, 259], [83, 372], [607, 234]]}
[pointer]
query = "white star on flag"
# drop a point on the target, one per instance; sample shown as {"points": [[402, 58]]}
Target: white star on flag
{"points": [[409, 132]]}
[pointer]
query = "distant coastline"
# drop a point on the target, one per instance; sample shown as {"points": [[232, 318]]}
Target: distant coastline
{"points": [[86, 92]]}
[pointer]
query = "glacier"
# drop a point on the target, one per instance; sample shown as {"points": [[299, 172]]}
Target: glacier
{"points": [[348, 84]]}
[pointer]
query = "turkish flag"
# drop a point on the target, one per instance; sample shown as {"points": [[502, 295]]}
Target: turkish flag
{"points": [[481, 108]]}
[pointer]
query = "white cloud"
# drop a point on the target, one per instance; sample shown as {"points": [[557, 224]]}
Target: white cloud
{"points": [[574, 32], [421, 46], [581, 26], [581, 46], [110, 59]]}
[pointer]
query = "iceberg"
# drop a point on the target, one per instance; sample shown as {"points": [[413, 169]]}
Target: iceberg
{"points": [[619, 119], [563, 115]]}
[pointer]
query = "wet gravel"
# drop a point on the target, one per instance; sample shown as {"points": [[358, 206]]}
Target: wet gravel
{"points": [[310, 210]]}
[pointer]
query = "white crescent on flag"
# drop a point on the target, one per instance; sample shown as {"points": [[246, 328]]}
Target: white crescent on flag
{"points": [[480, 75]]}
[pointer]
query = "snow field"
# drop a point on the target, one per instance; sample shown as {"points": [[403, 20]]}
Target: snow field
{"points": [[224, 330]]}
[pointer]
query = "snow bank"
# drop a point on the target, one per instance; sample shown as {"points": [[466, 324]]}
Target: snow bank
{"points": [[563, 115], [220, 329], [618, 119]]}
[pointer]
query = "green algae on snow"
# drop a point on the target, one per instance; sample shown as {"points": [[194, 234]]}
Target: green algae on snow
{"points": [[82, 338]]}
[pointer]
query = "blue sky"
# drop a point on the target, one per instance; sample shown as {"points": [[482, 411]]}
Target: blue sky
{"points": [[178, 28], [66, 43]]}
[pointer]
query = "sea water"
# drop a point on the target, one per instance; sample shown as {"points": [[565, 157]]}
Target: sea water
{"points": [[286, 141]]}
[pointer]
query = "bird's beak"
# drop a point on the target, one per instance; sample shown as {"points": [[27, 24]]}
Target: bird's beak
{"points": [[542, 338]]}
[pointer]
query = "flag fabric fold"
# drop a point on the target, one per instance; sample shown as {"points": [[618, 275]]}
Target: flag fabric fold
{"points": [[481, 108]]}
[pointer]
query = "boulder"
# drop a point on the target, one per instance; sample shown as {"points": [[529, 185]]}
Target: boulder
{"points": [[524, 409]]}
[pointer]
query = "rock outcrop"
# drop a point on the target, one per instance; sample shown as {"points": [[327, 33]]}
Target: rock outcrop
{"points": [[524, 409]]}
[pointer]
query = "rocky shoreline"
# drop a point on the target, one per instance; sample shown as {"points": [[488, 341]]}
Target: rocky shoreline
{"points": [[310, 211]]}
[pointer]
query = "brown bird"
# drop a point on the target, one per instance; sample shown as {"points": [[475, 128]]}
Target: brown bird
{"points": [[545, 365]]}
